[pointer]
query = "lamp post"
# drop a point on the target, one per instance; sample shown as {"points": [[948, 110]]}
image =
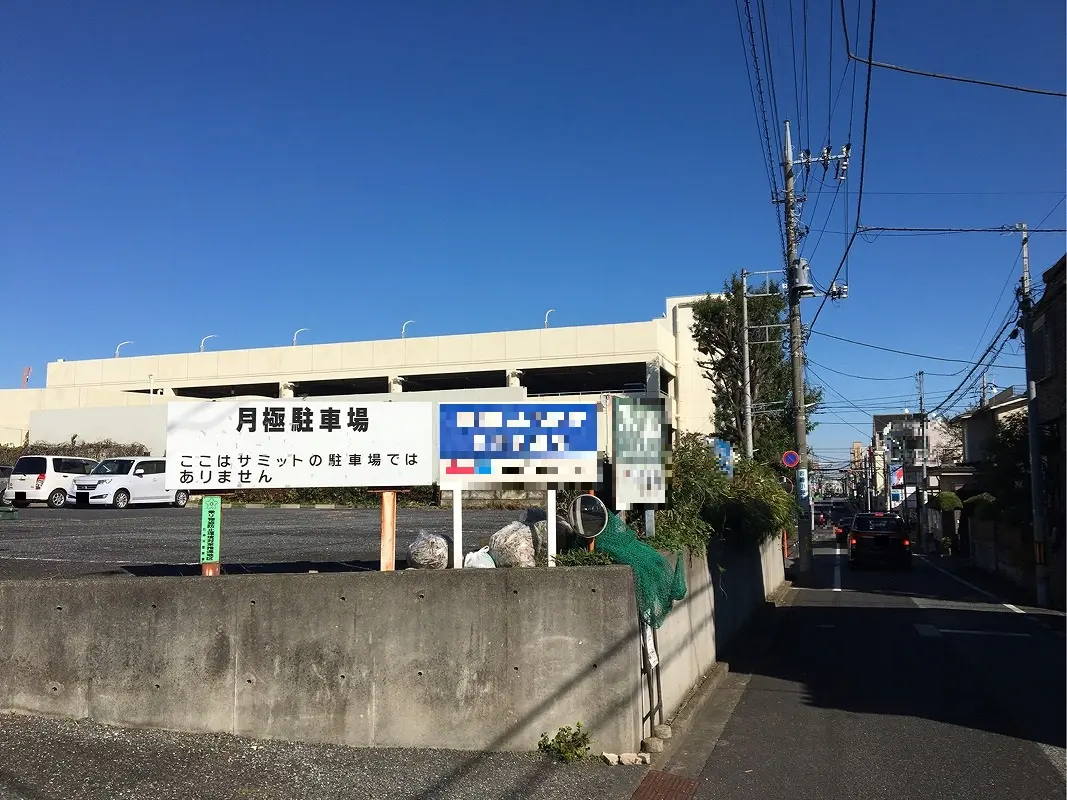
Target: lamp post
{"points": [[546, 315], [119, 346], [404, 327], [297, 333], [209, 336]]}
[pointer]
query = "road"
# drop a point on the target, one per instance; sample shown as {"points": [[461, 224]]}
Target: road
{"points": [[883, 684], [148, 540]]}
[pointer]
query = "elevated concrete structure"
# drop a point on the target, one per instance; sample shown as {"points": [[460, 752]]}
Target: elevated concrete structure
{"points": [[574, 362]]}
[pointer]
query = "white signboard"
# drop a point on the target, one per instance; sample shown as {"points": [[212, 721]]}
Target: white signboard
{"points": [[287, 444], [640, 451]]}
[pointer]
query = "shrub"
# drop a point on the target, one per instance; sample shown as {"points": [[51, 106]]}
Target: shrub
{"points": [[983, 506], [946, 501], [569, 744], [97, 451], [696, 480]]}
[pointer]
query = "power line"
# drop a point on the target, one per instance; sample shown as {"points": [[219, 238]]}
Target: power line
{"points": [[1011, 272], [941, 76], [874, 378], [904, 352], [980, 363], [863, 155], [971, 194], [1000, 229]]}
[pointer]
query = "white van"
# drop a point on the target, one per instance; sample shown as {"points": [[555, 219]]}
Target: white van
{"points": [[118, 482], [44, 479]]}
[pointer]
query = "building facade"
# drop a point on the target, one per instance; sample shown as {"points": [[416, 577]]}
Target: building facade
{"points": [[581, 363]]}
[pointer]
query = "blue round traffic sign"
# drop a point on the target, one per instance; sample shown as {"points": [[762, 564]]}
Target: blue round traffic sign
{"points": [[790, 458]]}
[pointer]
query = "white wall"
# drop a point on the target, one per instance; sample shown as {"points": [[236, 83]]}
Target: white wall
{"points": [[695, 399], [146, 425]]}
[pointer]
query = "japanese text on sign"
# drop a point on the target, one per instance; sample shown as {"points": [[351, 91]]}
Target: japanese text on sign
{"points": [[210, 529], [296, 444]]}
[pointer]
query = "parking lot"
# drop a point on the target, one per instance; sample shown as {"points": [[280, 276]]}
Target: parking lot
{"points": [[147, 540]]}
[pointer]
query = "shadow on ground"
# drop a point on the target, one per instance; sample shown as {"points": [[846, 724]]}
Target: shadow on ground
{"points": [[916, 643]]}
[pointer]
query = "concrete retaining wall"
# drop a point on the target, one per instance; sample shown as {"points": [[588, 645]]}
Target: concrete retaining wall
{"points": [[717, 605], [467, 659]]}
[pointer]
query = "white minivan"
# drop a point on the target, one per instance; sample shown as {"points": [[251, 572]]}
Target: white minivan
{"points": [[44, 479], [118, 482]]}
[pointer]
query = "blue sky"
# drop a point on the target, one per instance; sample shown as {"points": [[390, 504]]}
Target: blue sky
{"points": [[247, 168]]}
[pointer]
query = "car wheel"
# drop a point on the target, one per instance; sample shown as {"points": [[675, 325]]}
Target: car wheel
{"points": [[181, 498], [121, 499], [57, 499]]}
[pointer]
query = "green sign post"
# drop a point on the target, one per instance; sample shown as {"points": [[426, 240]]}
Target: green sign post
{"points": [[210, 534]]}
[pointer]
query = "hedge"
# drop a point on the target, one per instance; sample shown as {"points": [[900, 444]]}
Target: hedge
{"points": [[97, 451]]}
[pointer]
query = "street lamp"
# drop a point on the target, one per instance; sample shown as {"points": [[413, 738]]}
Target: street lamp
{"points": [[404, 327], [546, 315], [297, 333], [119, 347], [209, 336]]}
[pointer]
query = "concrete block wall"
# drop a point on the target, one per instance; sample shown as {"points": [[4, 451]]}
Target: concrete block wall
{"points": [[462, 659], [712, 613]]}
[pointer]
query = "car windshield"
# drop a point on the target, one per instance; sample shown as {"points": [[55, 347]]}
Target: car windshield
{"points": [[30, 465], [878, 525], [113, 466]]}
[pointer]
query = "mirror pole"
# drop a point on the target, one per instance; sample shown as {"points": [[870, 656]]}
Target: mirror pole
{"points": [[551, 528]]}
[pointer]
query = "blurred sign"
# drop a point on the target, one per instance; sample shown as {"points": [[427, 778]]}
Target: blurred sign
{"points": [[725, 452], [640, 451], [535, 444]]}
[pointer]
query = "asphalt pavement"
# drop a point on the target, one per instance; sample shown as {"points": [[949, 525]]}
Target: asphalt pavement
{"points": [[51, 759], [890, 684], [140, 540]]}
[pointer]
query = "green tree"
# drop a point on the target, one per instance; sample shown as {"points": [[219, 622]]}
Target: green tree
{"points": [[717, 332], [1005, 473]]}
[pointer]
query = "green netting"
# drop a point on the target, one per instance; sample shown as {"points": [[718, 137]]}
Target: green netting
{"points": [[659, 585]]}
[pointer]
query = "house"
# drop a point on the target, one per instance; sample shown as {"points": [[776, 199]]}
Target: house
{"points": [[980, 424], [1045, 366]]}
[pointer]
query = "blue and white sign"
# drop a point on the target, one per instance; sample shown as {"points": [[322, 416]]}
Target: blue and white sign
{"points": [[537, 444]]}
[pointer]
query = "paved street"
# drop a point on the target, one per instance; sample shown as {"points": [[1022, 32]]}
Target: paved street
{"points": [[67, 542], [884, 684]]}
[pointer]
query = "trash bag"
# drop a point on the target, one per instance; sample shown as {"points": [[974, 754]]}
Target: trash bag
{"points": [[430, 551], [479, 559], [512, 546], [565, 535]]}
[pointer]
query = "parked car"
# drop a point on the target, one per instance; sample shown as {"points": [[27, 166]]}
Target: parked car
{"points": [[5, 475], [118, 482], [879, 537], [44, 479]]}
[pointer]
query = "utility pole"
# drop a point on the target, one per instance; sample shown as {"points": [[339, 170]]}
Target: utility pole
{"points": [[744, 357], [983, 388], [796, 357], [1037, 489], [872, 481], [920, 497]]}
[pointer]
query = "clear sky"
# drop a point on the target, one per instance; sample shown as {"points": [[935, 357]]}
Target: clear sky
{"points": [[250, 167]]}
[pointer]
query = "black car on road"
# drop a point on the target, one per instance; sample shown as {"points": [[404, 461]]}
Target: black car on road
{"points": [[878, 537]]}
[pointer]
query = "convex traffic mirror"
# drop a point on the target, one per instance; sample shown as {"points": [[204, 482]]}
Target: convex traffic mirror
{"points": [[589, 516]]}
